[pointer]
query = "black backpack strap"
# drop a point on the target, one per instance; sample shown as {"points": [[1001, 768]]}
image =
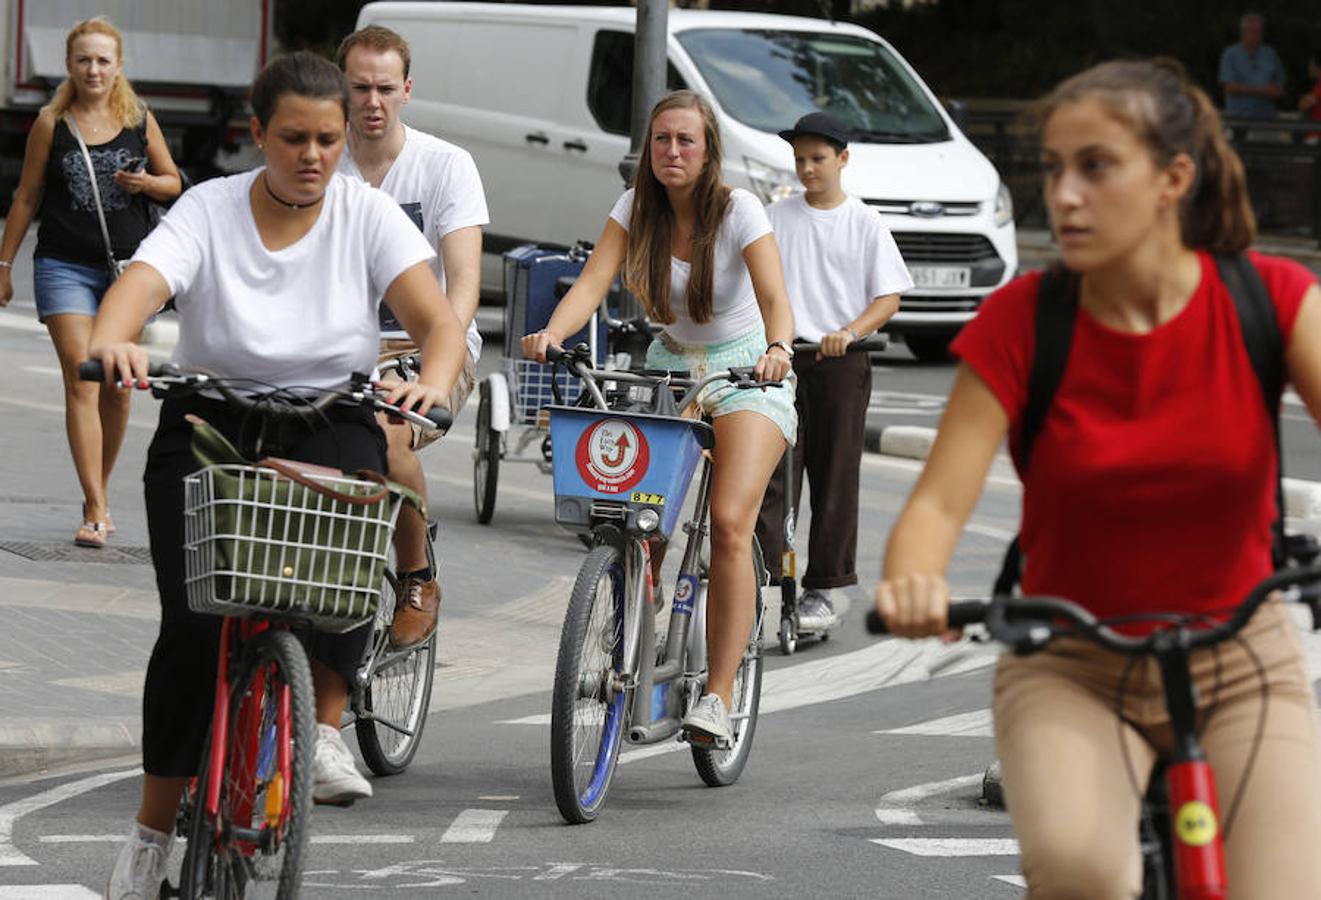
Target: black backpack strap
{"points": [[1265, 345], [1057, 311]]}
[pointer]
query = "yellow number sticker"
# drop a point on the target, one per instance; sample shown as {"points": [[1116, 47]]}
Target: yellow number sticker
{"points": [[644, 497], [1196, 824]]}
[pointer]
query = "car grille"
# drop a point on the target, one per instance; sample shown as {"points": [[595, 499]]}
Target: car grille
{"points": [[918, 303], [937, 247], [905, 207]]}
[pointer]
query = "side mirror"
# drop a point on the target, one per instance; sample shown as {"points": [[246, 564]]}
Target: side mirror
{"points": [[958, 111]]}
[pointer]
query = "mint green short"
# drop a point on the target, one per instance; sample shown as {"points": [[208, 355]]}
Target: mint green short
{"points": [[775, 403]]}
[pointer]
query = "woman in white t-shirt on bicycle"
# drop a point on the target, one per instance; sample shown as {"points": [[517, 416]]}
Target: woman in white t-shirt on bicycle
{"points": [[277, 275], [702, 259]]}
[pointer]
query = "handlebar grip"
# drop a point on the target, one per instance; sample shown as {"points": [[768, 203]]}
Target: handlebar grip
{"points": [[961, 613], [555, 354], [440, 417]]}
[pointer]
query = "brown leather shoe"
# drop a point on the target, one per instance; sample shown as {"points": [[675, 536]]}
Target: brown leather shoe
{"points": [[415, 616]]}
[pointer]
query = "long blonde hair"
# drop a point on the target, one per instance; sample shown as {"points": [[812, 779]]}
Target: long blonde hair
{"points": [[124, 103], [651, 225]]}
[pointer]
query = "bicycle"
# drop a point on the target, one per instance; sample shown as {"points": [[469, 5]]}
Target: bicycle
{"points": [[791, 630], [621, 478], [1184, 860], [391, 693], [245, 815]]}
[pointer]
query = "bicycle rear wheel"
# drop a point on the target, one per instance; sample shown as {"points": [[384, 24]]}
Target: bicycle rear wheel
{"points": [[255, 847], [587, 707], [485, 457], [397, 693], [720, 768]]}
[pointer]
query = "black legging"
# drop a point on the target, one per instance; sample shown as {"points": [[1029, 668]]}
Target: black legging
{"points": [[176, 703]]}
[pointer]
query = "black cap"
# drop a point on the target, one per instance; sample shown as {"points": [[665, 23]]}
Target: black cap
{"points": [[820, 124]]}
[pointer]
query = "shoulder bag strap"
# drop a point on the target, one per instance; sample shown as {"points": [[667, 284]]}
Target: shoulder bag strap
{"points": [[1057, 311], [1265, 345], [96, 191]]}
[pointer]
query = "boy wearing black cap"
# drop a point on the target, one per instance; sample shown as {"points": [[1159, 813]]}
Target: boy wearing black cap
{"points": [[844, 275]]}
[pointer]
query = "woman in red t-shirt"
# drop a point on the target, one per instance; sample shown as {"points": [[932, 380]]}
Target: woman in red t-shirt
{"points": [[1151, 488]]}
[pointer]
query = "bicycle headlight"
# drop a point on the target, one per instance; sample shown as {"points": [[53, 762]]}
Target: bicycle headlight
{"points": [[648, 520]]}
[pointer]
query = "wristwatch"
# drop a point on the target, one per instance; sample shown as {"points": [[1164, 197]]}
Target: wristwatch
{"points": [[783, 346]]}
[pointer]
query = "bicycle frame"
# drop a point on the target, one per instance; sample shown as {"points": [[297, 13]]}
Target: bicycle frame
{"points": [[656, 707]]}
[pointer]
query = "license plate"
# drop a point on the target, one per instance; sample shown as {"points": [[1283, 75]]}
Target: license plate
{"points": [[941, 276]]}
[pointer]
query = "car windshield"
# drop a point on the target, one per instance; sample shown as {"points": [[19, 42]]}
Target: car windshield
{"points": [[767, 79]]}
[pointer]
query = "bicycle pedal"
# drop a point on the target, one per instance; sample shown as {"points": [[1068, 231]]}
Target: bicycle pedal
{"points": [[706, 741]]}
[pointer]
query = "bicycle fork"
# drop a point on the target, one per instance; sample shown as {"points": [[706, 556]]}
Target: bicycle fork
{"points": [[1195, 826]]}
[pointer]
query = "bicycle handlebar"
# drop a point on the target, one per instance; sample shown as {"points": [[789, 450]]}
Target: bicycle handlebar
{"points": [[167, 377], [869, 344], [1028, 624]]}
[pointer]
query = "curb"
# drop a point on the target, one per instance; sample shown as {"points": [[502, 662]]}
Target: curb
{"points": [[1302, 499], [41, 744]]}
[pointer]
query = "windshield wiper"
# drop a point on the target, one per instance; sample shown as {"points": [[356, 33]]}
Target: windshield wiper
{"points": [[902, 137]]}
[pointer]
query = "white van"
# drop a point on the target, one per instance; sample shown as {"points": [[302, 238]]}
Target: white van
{"points": [[541, 97]]}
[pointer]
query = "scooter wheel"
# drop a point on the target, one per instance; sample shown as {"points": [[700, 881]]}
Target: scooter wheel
{"points": [[788, 637]]}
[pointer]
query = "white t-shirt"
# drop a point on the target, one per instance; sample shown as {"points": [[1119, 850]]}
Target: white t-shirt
{"points": [[438, 185], [303, 315], [836, 262], [734, 304]]}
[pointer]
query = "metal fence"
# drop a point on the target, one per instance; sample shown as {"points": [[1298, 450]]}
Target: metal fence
{"points": [[1282, 159]]}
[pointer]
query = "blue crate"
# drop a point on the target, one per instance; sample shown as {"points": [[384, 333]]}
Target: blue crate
{"points": [[641, 460], [531, 273]]}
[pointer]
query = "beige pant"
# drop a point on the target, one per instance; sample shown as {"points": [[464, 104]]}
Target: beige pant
{"points": [[1063, 752], [463, 385]]}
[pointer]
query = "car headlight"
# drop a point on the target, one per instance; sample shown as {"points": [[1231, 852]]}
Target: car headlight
{"points": [[648, 520], [770, 183], [1004, 206]]}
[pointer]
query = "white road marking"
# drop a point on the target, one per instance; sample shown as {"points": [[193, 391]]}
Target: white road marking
{"points": [[952, 846], [123, 684], [1015, 880], [316, 838], [47, 892], [539, 719], [557, 871], [10, 813], [45, 370], [896, 807], [474, 826], [972, 724], [1000, 534]]}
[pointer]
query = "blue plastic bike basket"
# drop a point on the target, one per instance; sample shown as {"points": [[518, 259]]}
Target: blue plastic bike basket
{"points": [[637, 460]]}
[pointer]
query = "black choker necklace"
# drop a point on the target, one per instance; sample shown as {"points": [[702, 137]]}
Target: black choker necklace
{"points": [[283, 202]]}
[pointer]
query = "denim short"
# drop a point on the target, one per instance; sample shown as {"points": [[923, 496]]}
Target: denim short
{"points": [[64, 288], [775, 403]]}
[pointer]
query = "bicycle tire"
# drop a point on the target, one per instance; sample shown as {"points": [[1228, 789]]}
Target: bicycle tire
{"points": [[238, 870], [721, 768], [398, 689], [195, 873], [485, 457], [593, 613]]}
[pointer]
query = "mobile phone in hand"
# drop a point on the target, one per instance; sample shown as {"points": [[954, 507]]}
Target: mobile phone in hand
{"points": [[135, 164]]}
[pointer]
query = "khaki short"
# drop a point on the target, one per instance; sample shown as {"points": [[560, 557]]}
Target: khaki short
{"points": [[463, 385]]}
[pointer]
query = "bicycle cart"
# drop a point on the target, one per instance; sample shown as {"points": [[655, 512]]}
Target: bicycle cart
{"points": [[513, 398]]}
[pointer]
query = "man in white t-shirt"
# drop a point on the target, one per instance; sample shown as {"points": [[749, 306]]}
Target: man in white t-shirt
{"points": [[437, 184], [844, 275]]}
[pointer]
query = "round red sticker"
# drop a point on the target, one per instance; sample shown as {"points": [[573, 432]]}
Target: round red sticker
{"points": [[612, 456]]}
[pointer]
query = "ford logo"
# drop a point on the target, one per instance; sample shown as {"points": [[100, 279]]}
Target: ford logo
{"points": [[927, 209]]}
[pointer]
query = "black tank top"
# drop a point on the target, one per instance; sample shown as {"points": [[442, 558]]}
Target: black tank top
{"points": [[69, 228]]}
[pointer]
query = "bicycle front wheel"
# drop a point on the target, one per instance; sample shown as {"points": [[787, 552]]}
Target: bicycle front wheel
{"points": [[588, 706], [720, 768], [397, 693], [256, 844]]}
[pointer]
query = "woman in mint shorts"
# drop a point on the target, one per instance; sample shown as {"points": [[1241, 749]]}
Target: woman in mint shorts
{"points": [[702, 259]]}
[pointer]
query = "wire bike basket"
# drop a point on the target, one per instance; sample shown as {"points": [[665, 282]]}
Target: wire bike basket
{"points": [[260, 544]]}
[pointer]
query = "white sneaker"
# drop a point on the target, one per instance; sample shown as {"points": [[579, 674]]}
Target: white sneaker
{"points": [[708, 723], [336, 779], [140, 868], [815, 611]]}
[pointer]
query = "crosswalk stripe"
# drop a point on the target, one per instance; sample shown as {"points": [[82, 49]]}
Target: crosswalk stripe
{"points": [[952, 846], [971, 724], [1015, 880], [474, 826], [10, 813], [315, 839], [47, 892]]}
